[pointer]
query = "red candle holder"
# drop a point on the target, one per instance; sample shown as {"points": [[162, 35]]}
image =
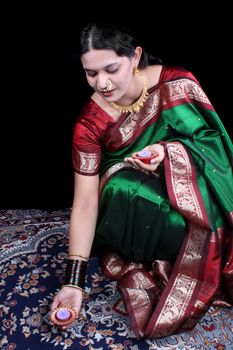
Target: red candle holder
{"points": [[145, 156]]}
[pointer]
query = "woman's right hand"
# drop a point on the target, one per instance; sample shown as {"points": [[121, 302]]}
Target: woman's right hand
{"points": [[155, 162], [69, 297]]}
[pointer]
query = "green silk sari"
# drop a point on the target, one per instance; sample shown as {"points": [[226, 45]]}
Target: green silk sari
{"points": [[169, 234], [179, 220]]}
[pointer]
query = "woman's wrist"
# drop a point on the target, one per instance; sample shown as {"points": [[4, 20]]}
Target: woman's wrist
{"points": [[73, 286], [75, 273], [77, 257]]}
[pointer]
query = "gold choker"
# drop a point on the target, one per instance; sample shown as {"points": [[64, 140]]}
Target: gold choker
{"points": [[136, 106]]}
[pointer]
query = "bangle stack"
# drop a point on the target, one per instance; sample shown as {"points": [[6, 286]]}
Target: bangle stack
{"points": [[75, 273]]}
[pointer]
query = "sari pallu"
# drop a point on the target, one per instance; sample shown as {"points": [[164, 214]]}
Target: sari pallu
{"points": [[199, 182]]}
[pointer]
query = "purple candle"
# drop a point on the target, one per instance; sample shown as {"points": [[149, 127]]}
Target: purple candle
{"points": [[144, 153], [63, 315]]}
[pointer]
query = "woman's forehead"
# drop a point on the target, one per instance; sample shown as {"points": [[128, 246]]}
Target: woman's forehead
{"points": [[99, 59]]}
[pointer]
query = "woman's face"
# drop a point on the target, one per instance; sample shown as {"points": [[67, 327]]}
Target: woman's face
{"points": [[103, 65]]}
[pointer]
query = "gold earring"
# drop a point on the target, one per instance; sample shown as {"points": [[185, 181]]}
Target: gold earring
{"points": [[135, 70]]}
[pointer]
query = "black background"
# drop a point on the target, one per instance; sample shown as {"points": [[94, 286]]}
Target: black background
{"points": [[43, 90]]}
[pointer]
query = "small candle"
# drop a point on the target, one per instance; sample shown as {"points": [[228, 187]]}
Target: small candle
{"points": [[63, 315], [144, 153]]}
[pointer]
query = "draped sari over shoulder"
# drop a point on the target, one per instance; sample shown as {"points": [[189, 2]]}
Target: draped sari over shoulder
{"points": [[170, 232]]}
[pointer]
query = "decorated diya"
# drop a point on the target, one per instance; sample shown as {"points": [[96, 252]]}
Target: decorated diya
{"points": [[63, 316], [145, 156]]}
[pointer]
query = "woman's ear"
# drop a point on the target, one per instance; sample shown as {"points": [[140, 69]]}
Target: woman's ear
{"points": [[137, 56]]}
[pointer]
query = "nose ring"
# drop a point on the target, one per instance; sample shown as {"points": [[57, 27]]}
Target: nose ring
{"points": [[108, 85]]}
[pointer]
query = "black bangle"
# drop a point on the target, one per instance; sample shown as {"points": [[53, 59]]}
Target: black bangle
{"points": [[75, 273]]}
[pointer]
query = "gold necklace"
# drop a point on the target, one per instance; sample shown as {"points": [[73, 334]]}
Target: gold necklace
{"points": [[136, 106]]}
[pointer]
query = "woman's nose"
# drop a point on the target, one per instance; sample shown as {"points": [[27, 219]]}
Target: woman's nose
{"points": [[102, 83]]}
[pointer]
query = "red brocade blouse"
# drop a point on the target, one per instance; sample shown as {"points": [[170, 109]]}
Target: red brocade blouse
{"points": [[89, 135]]}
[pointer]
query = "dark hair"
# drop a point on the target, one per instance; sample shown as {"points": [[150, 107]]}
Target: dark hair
{"points": [[108, 36]]}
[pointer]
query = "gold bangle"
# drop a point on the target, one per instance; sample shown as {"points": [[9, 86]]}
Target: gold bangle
{"points": [[74, 286], [79, 256]]}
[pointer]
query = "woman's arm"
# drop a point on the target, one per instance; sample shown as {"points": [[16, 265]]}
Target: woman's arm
{"points": [[84, 214], [81, 234]]}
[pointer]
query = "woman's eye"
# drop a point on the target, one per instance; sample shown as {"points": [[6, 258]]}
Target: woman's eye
{"points": [[91, 74], [109, 71], [112, 71]]}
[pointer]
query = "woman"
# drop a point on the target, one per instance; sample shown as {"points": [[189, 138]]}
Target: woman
{"points": [[153, 181]]}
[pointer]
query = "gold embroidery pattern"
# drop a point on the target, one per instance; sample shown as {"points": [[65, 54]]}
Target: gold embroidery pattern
{"points": [[175, 305], [112, 170], [182, 88], [115, 168], [179, 297], [140, 302], [88, 162], [138, 120], [170, 91], [181, 170], [183, 287]]}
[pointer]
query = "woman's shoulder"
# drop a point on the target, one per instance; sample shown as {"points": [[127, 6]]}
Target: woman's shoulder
{"points": [[89, 110], [89, 115], [91, 120], [170, 72], [93, 111], [158, 74]]}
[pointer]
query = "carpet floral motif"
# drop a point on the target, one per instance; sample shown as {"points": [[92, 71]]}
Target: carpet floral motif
{"points": [[33, 251]]}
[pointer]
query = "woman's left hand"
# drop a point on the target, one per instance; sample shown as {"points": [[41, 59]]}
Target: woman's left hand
{"points": [[138, 164]]}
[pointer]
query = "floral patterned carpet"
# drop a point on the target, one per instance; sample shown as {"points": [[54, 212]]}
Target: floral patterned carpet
{"points": [[32, 254]]}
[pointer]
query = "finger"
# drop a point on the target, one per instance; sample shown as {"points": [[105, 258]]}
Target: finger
{"points": [[141, 165], [128, 160], [135, 166], [148, 167], [77, 309], [132, 163], [155, 160]]}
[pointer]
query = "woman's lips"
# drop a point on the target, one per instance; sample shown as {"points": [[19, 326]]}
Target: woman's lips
{"points": [[107, 93]]}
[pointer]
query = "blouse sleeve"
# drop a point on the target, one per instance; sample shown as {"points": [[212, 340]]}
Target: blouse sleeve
{"points": [[86, 150]]}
